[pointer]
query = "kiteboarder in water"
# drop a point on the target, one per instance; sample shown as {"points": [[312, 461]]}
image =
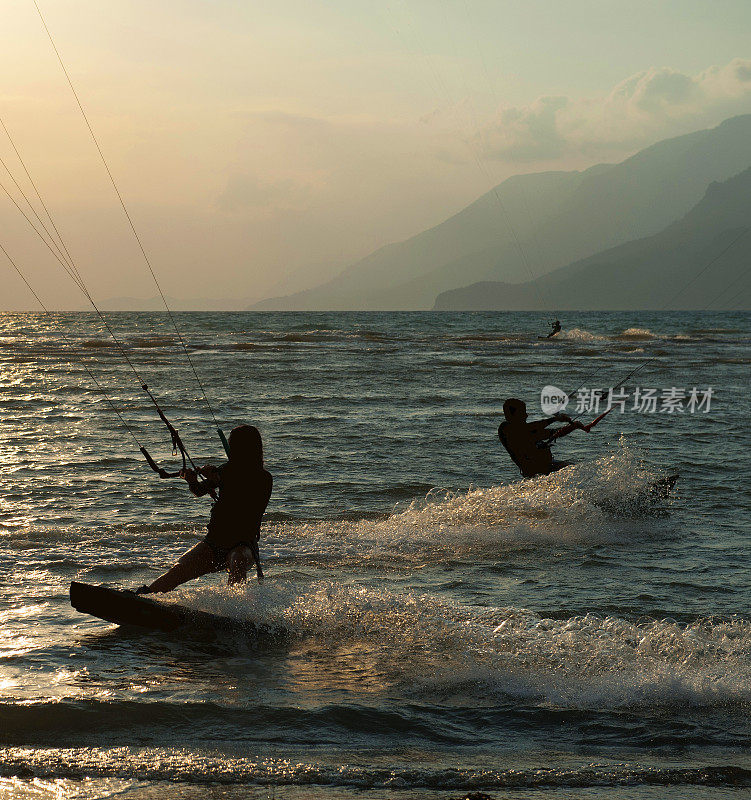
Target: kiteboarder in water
{"points": [[243, 490], [528, 443], [556, 326]]}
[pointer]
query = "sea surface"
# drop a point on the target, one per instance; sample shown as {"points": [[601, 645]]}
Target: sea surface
{"points": [[443, 626]]}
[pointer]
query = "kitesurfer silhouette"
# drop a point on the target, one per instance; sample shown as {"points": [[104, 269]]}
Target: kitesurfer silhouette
{"points": [[528, 443], [556, 326], [243, 489]]}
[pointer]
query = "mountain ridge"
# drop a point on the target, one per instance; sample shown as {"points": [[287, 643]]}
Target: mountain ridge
{"points": [[690, 261], [556, 218]]}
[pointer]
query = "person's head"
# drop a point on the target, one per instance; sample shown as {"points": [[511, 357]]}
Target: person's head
{"points": [[245, 446], [515, 410]]}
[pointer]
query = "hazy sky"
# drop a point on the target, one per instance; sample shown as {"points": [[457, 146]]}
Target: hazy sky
{"points": [[261, 147]]}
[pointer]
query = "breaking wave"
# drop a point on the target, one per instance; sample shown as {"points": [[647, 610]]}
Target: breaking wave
{"points": [[127, 767], [637, 333], [580, 335], [433, 651], [607, 500]]}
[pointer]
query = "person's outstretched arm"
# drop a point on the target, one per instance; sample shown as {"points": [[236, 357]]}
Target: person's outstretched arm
{"points": [[539, 425], [201, 487], [539, 429], [573, 425]]}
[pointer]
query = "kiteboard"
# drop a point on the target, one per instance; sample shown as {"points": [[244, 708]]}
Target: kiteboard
{"points": [[128, 608]]}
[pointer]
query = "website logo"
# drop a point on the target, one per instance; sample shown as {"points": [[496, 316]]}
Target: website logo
{"points": [[553, 400]]}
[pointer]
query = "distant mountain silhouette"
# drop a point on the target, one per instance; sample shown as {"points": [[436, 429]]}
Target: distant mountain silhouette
{"points": [[556, 218], [703, 258]]}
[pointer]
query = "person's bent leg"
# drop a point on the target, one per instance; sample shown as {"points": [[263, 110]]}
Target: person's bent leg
{"points": [[238, 561], [196, 562]]}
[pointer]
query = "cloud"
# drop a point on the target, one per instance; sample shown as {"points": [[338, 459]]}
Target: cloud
{"points": [[653, 104], [528, 133]]}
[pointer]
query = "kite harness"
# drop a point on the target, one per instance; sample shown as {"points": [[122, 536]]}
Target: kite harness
{"points": [[179, 447]]}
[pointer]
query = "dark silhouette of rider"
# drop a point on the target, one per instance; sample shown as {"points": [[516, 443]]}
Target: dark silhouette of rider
{"points": [[528, 443], [243, 489], [556, 328]]}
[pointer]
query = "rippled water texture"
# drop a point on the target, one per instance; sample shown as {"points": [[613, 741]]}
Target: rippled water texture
{"points": [[443, 627]]}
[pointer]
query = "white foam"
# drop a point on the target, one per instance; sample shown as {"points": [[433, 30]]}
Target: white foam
{"points": [[586, 503], [580, 335], [637, 333], [442, 651]]}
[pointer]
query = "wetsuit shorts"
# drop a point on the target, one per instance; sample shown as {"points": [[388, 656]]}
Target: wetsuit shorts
{"points": [[220, 555]]}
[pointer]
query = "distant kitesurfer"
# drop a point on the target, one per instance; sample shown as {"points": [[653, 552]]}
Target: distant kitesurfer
{"points": [[528, 443], [243, 489], [556, 326]]}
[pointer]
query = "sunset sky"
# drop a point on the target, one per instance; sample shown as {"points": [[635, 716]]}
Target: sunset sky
{"points": [[262, 147]]}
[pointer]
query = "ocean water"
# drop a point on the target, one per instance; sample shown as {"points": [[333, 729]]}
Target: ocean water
{"points": [[446, 628]]}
